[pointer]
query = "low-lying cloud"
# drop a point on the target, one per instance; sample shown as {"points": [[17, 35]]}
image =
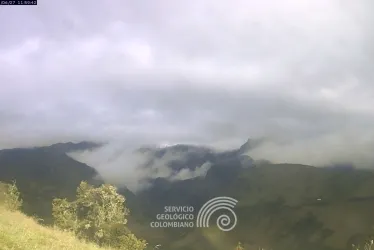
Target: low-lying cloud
{"points": [[136, 170]]}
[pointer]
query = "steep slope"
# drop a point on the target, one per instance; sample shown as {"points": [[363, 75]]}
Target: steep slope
{"points": [[44, 173], [17, 231]]}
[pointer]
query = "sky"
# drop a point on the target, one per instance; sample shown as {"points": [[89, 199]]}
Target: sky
{"points": [[214, 72]]}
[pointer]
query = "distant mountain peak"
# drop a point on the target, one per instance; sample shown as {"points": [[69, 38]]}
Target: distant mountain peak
{"points": [[246, 146], [250, 144], [69, 147]]}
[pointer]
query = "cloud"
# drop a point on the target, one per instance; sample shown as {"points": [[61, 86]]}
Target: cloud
{"points": [[186, 174], [125, 167], [342, 147], [214, 73], [118, 165]]}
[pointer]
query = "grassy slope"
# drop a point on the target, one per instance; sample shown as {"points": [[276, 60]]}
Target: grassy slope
{"points": [[18, 232]]}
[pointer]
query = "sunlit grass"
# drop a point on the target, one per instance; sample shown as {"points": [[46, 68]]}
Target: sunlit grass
{"points": [[18, 232]]}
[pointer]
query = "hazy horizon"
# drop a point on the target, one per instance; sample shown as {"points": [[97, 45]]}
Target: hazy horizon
{"points": [[216, 72]]}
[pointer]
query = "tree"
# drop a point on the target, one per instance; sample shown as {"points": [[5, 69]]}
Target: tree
{"points": [[64, 214], [99, 215], [12, 199]]}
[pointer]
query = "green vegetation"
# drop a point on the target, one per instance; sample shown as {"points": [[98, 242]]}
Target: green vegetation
{"points": [[12, 199], [96, 219], [99, 215], [19, 232], [367, 246], [239, 247], [281, 206]]}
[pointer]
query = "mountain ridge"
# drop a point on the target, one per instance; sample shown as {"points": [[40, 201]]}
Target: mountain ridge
{"points": [[283, 206]]}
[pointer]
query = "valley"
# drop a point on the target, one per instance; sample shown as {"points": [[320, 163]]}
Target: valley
{"points": [[280, 206]]}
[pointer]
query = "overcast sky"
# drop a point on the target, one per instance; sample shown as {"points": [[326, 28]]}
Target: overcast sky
{"points": [[168, 71]]}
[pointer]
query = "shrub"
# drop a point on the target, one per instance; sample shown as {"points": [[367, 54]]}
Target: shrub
{"points": [[239, 246], [64, 214], [12, 198], [367, 246], [97, 214]]}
